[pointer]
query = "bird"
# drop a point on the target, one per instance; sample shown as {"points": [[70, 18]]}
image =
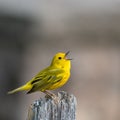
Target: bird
{"points": [[50, 78]]}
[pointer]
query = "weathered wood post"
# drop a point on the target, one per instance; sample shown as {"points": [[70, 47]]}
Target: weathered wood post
{"points": [[47, 109]]}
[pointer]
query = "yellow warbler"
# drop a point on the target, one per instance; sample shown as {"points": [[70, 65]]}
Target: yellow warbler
{"points": [[52, 77]]}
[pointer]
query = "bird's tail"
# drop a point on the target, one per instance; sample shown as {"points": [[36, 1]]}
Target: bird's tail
{"points": [[22, 88]]}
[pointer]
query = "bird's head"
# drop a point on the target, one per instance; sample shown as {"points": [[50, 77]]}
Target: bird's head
{"points": [[60, 60]]}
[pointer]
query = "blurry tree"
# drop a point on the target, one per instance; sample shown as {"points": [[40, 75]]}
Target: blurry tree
{"points": [[13, 42]]}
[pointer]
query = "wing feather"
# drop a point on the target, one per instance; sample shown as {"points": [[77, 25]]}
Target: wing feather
{"points": [[45, 79]]}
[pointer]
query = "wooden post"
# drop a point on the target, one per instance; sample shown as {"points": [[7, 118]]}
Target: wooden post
{"points": [[47, 109]]}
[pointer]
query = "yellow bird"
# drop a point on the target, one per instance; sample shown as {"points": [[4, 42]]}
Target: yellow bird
{"points": [[52, 77]]}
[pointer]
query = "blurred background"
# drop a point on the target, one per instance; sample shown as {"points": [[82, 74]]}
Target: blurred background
{"points": [[32, 31]]}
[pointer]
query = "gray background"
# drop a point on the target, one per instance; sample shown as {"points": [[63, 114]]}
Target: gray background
{"points": [[32, 31]]}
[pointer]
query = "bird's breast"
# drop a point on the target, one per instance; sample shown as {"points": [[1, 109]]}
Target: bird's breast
{"points": [[61, 82]]}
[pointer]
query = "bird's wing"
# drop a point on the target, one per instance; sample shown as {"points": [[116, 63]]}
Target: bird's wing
{"points": [[45, 79]]}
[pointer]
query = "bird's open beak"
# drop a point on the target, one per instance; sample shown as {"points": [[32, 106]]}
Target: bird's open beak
{"points": [[66, 56]]}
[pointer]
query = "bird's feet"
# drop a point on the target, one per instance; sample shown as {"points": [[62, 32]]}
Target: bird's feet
{"points": [[53, 96]]}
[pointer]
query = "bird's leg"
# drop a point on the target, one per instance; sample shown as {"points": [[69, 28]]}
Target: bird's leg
{"points": [[49, 93], [53, 96]]}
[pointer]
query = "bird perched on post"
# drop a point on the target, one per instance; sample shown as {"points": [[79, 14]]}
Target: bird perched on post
{"points": [[52, 77]]}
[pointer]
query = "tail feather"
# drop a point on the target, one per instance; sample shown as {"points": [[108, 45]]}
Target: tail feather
{"points": [[22, 88], [15, 90]]}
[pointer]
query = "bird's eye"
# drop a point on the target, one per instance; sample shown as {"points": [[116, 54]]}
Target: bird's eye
{"points": [[59, 58]]}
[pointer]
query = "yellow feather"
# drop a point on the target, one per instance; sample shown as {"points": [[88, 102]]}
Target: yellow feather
{"points": [[24, 87], [52, 77]]}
